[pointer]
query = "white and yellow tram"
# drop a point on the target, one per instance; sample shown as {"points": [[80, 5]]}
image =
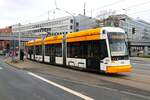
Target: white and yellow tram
{"points": [[102, 49]]}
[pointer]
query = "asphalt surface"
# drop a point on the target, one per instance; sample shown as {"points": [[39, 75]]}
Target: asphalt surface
{"points": [[141, 65], [20, 85]]}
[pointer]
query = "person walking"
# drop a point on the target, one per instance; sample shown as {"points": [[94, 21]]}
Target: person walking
{"points": [[21, 55]]}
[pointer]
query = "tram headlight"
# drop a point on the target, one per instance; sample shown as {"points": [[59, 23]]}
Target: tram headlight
{"points": [[107, 61]]}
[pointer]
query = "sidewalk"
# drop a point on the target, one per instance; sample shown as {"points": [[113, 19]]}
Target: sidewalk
{"points": [[26, 64]]}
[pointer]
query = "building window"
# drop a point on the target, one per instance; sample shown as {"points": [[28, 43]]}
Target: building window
{"points": [[77, 24], [77, 30], [71, 27], [71, 21]]}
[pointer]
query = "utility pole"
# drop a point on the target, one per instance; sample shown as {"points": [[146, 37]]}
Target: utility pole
{"points": [[55, 4], [84, 8], [64, 50], [54, 14], [48, 15], [91, 13], [13, 47], [19, 41]]}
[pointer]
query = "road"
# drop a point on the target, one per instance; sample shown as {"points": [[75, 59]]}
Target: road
{"points": [[141, 66], [68, 84], [19, 85]]}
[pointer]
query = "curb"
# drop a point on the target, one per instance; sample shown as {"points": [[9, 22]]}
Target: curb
{"points": [[9, 63]]}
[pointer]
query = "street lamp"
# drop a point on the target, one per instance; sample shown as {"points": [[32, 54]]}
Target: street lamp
{"points": [[64, 43], [74, 29], [125, 10], [13, 47]]}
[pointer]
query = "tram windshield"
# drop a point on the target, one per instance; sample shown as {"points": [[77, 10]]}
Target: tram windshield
{"points": [[117, 44]]}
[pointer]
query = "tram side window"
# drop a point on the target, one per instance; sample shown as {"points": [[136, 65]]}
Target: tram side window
{"points": [[68, 50], [76, 50], [38, 50], [89, 49], [47, 50], [30, 50], [93, 48], [58, 49], [83, 50], [103, 49], [71, 52]]}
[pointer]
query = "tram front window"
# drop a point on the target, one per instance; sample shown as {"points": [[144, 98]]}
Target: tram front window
{"points": [[117, 44]]}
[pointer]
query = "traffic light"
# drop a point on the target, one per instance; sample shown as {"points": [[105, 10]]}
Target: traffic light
{"points": [[133, 30]]}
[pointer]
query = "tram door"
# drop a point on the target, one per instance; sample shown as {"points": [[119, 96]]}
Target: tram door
{"points": [[52, 54], [97, 51], [93, 63], [93, 59]]}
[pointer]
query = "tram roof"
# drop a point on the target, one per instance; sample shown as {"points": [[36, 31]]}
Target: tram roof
{"points": [[84, 33], [90, 34]]}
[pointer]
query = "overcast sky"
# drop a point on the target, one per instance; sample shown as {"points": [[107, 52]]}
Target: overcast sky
{"points": [[28, 11]]}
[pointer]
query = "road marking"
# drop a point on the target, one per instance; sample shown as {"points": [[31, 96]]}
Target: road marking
{"points": [[62, 87], [81, 95]]}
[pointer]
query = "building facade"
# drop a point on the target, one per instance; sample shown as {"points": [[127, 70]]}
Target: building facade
{"points": [[138, 33], [52, 27], [56, 26], [5, 43]]}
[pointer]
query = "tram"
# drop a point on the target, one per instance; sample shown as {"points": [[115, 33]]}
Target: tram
{"points": [[102, 49]]}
